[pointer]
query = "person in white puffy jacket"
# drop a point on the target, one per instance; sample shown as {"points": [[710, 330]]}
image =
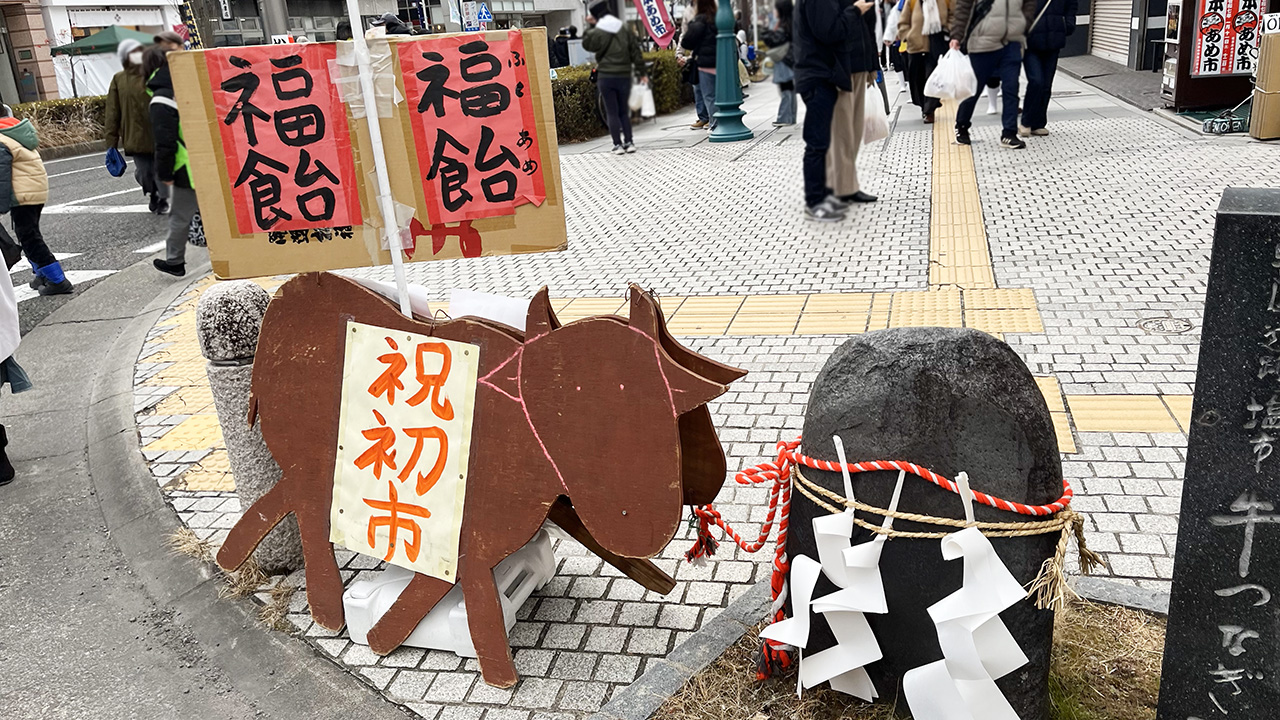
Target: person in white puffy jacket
{"points": [[10, 371]]}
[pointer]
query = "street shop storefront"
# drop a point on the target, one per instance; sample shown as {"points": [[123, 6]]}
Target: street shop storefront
{"points": [[1211, 51]]}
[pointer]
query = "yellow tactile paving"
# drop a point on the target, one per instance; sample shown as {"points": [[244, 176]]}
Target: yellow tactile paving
{"points": [[1062, 428], [1121, 413], [939, 308], [197, 432], [832, 324], [1180, 406], [189, 400], [1012, 320], [1000, 299], [843, 303], [958, 251], [1052, 393]]}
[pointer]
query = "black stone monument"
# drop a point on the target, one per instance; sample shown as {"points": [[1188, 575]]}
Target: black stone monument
{"points": [[951, 400], [1222, 648]]}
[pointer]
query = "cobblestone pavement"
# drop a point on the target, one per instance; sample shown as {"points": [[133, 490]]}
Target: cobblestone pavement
{"points": [[1087, 252]]}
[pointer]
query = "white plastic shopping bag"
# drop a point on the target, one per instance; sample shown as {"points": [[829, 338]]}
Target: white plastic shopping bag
{"points": [[636, 100], [875, 123], [891, 25], [648, 108], [953, 79]]}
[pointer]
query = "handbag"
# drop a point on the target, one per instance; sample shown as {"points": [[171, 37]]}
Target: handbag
{"points": [[689, 73], [115, 162], [11, 250], [195, 232]]}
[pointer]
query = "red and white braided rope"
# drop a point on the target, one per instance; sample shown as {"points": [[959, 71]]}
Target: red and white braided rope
{"points": [[778, 474]]}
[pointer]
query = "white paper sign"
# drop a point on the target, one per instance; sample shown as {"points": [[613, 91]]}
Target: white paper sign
{"points": [[404, 436], [1270, 23]]}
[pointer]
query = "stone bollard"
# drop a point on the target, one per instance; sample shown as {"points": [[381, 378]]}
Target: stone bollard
{"points": [[228, 318], [950, 400]]}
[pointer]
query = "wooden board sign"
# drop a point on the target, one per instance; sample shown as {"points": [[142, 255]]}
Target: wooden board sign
{"points": [[282, 162]]}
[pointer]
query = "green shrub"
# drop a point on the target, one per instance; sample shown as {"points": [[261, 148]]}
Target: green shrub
{"points": [[576, 98], [65, 122]]}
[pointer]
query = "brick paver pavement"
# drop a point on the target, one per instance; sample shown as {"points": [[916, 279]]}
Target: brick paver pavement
{"points": [[1095, 238]]}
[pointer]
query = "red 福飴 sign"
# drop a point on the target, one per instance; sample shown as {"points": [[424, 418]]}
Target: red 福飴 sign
{"points": [[474, 131], [284, 138]]}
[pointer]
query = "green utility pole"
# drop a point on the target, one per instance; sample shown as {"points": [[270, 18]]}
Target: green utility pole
{"points": [[729, 126]]}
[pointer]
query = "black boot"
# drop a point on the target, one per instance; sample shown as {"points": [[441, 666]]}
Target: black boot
{"points": [[6, 468]]}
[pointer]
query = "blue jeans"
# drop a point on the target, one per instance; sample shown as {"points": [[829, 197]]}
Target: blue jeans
{"points": [[707, 82], [1005, 63], [703, 115], [1041, 65]]}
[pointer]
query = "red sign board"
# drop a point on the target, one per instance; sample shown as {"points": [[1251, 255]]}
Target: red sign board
{"points": [[473, 125], [1226, 41], [284, 137]]}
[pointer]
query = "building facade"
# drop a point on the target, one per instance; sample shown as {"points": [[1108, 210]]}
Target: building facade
{"points": [[26, 69]]}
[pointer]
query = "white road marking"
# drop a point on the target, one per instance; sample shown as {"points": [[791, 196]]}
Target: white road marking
{"points": [[24, 291], [56, 256], [95, 197], [69, 209], [153, 247], [73, 172]]}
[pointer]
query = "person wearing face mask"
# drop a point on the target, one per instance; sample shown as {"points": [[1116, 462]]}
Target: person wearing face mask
{"points": [[128, 123]]}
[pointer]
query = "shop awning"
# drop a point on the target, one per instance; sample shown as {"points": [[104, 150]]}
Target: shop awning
{"points": [[103, 41]]}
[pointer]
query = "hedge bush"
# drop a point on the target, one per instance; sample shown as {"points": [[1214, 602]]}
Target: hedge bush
{"points": [[65, 122], [576, 100]]}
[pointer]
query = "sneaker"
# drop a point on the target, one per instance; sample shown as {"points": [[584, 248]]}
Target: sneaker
{"points": [[782, 124], [822, 212], [928, 118], [60, 288], [962, 136], [1024, 131], [1040, 132], [699, 125], [174, 269], [617, 150], [629, 148], [835, 203], [1013, 143]]}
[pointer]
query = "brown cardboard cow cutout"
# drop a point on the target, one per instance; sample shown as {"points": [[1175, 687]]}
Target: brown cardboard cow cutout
{"points": [[600, 425]]}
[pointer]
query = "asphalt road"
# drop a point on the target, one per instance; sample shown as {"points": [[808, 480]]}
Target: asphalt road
{"points": [[97, 225]]}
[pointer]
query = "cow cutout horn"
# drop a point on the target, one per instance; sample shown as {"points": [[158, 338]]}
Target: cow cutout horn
{"points": [[539, 321], [644, 312]]}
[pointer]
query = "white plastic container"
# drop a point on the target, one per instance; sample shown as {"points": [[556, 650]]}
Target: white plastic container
{"points": [[445, 627]]}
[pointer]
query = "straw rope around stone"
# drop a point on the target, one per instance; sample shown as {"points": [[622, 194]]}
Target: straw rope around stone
{"points": [[1049, 587]]}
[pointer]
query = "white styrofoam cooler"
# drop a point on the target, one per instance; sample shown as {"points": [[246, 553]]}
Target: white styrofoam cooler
{"points": [[445, 627]]}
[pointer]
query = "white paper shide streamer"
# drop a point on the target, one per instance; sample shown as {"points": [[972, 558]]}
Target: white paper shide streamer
{"points": [[977, 648], [856, 571]]}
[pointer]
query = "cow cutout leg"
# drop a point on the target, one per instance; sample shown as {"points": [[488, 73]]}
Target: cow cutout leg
{"points": [[418, 598], [324, 582], [260, 519], [488, 627]]}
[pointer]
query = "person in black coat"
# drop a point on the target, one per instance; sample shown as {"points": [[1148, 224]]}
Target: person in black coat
{"points": [[823, 37], [1044, 41]]}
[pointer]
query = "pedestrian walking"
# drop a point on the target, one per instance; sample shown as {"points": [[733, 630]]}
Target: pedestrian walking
{"points": [[924, 48], [171, 160], [863, 65], [1047, 37], [24, 189], [169, 40], [618, 57], [11, 373], [700, 39], [779, 42], [992, 32], [128, 123], [560, 47], [821, 39]]}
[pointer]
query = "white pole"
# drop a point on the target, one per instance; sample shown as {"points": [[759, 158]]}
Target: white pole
{"points": [[755, 26], [390, 227]]}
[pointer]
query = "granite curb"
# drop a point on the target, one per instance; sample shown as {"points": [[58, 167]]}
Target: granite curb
{"points": [[664, 678], [283, 677], [66, 151]]}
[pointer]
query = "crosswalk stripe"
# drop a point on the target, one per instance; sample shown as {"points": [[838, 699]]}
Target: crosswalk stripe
{"points": [[95, 209], [23, 291], [60, 257]]}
